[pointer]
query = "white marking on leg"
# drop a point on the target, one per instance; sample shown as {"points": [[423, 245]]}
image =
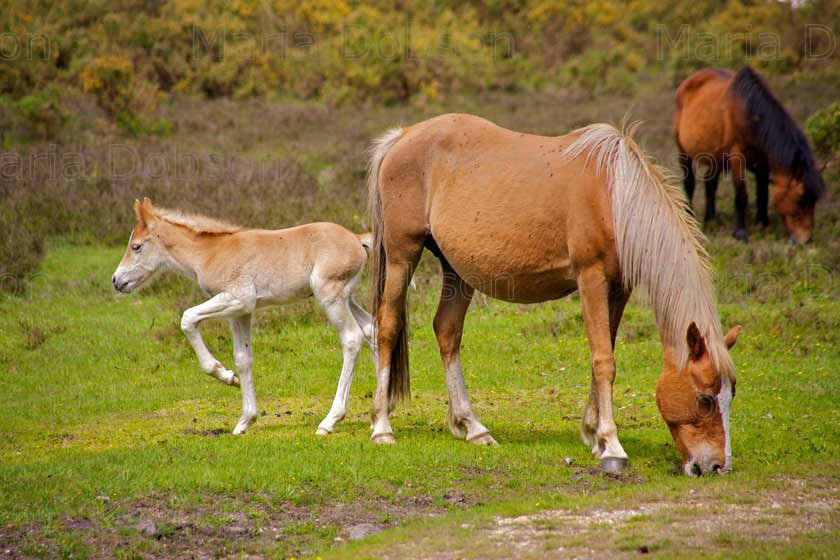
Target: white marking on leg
{"points": [[351, 342], [244, 359], [724, 399]]}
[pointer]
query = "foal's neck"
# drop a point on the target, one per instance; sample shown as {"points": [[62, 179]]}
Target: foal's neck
{"points": [[184, 249]]}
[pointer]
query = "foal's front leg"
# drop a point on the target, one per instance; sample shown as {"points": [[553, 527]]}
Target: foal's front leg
{"points": [[243, 356], [594, 296], [221, 306]]}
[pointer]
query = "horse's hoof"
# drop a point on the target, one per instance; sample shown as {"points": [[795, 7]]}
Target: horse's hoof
{"points": [[383, 438], [483, 439], [614, 464], [322, 431], [740, 234]]}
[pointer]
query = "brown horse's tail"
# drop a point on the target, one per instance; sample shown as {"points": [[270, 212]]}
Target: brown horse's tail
{"points": [[398, 384]]}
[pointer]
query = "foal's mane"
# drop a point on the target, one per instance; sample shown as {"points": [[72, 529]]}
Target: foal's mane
{"points": [[659, 243], [195, 222], [772, 130]]}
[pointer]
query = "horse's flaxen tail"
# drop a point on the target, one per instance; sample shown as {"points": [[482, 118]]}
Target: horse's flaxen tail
{"points": [[398, 384], [658, 241]]}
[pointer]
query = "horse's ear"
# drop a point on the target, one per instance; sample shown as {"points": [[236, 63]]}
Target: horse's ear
{"points": [[696, 344], [732, 336], [138, 211], [821, 167]]}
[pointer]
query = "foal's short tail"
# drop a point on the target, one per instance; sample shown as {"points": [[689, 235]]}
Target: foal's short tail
{"points": [[398, 384]]}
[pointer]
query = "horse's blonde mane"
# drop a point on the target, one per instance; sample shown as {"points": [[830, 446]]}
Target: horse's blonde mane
{"points": [[659, 243], [195, 222]]}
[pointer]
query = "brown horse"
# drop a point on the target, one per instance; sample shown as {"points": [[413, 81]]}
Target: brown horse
{"points": [[528, 218], [733, 122]]}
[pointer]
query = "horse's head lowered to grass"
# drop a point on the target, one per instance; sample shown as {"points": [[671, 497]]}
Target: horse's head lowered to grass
{"points": [[695, 401]]}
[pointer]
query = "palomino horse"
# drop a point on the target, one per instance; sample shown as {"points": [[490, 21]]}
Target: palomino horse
{"points": [[733, 122], [245, 269], [528, 218]]}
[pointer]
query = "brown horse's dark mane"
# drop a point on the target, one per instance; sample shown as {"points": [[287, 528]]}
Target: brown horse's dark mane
{"points": [[772, 130]]}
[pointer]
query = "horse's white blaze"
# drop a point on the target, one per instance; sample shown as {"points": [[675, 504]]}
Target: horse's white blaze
{"points": [[724, 399]]}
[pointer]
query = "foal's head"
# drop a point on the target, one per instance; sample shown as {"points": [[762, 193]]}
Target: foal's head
{"points": [[145, 256], [694, 401]]}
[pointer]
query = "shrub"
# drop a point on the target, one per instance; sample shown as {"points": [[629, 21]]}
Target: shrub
{"points": [[824, 129]]}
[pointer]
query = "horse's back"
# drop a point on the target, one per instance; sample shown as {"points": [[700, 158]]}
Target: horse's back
{"points": [[702, 113], [501, 205]]}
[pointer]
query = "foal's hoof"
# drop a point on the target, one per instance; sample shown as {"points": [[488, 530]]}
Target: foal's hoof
{"points": [[614, 464], [740, 234], [383, 438], [322, 431], [483, 439]]}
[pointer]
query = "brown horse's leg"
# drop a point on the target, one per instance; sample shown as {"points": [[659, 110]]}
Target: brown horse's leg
{"points": [[399, 268], [589, 427], [739, 181], [594, 296], [762, 181], [711, 183], [688, 177], [455, 298]]}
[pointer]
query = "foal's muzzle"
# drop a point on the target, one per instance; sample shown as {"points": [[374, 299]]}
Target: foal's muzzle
{"points": [[119, 286]]}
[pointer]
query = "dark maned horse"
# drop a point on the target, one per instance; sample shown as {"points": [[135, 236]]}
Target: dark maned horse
{"points": [[733, 122]]}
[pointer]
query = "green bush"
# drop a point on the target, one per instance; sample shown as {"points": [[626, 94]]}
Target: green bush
{"points": [[824, 129], [21, 248]]}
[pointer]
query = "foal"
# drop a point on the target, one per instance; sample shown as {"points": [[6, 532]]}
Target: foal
{"points": [[244, 269]]}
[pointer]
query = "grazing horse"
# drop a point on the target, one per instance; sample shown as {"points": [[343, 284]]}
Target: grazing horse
{"points": [[527, 218], [245, 269], [733, 122]]}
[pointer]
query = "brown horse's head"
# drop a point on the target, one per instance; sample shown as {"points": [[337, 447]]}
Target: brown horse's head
{"points": [[791, 204], [694, 401], [795, 204]]}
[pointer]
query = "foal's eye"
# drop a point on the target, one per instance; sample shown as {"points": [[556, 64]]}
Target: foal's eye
{"points": [[136, 247]]}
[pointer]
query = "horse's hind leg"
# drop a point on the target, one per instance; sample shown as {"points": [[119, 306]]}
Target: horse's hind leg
{"points": [[335, 301], [244, 359], [594, 296], [399, 267], [449, 324], [688, 177], [711, 183], [589, 426]]}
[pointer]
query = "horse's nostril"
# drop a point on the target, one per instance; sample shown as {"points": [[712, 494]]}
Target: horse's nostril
{"points": [[114, 280], [716, 468], [695, 469]]}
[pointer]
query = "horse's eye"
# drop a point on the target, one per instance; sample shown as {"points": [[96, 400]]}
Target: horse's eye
{"points": [[136, 247], [707, 401]]}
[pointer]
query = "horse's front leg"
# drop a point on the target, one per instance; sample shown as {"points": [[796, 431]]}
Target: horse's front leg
{"points": [[243, 356], [594, 296], [223, 305]]}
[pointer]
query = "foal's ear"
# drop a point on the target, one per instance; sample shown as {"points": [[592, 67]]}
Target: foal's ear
{"points": [[821, 167], [147, 203], [696, 344], [138, 211], [732, 336]]}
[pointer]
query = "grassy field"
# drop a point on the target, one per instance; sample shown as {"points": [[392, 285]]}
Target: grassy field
{"points": [[114, 444]]}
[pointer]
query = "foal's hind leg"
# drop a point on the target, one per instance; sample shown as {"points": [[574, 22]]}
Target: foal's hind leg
{"points": [[739, 181], [335, 302], [685, 164], [244, 358], [449, 324], [594, 296], [589, 426]]}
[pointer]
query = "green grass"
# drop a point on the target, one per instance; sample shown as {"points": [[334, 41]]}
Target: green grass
{"points": [[105, 406]]}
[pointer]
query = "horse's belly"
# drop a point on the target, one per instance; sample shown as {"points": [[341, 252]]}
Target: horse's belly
{"points": [[506, 268]]}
